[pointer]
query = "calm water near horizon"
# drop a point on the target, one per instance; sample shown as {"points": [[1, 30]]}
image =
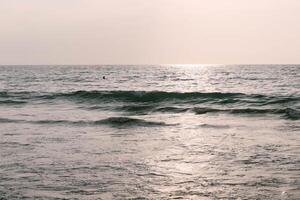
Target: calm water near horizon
{"points": [[150, 132]]}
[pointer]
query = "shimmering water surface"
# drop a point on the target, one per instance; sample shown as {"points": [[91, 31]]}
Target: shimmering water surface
{"points": [[150, 132]]}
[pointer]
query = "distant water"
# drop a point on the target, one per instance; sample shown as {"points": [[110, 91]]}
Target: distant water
{"points": [[150, 132]]}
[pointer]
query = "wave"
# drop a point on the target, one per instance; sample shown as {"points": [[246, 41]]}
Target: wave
{"points": [[143, 96], [126, 121], [145, 102], [11, 102], [287, 113], [240, 111], [111, 121], [155, 97], [5, 120], [161, 96]]}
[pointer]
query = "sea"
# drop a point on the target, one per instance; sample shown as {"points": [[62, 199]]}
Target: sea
{"points": [[150, 132]]}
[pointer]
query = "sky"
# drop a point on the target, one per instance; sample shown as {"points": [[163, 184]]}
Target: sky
{"points": [[149, 32]]}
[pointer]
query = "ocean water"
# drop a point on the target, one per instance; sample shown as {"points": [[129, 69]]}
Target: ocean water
{"points": [[150, 132]]}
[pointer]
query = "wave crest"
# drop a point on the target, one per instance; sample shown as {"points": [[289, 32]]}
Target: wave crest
{"points": [[155, 97]]}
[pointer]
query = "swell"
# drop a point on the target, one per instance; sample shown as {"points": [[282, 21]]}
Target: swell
{"points": [[155, 97], [111, 121]]}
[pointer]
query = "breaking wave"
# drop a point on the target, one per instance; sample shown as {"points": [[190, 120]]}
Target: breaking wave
{"points": [[157, 96]]}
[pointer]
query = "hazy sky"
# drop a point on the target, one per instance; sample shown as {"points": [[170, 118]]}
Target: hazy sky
{"points": [[149, 31]]}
